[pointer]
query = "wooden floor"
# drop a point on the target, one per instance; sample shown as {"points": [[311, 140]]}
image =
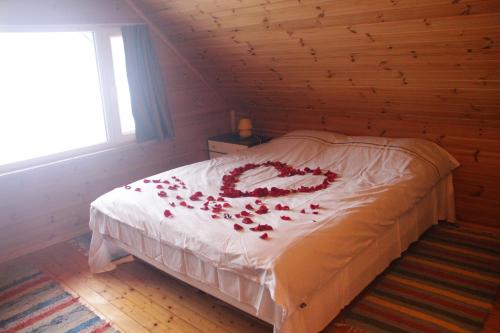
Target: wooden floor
{"points": [[138, 298]]}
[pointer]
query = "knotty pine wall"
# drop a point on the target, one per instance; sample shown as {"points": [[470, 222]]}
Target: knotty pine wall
{"points": [[48, 204], [399, 68]]}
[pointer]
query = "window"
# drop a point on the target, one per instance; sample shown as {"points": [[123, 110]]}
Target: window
{"points": [[62, 91]]}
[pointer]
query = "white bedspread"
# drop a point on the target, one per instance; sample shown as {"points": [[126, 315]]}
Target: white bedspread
{"points": [[379, 179]]}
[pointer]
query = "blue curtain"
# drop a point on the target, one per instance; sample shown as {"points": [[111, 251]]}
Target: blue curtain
{"points": [[147, 91]]}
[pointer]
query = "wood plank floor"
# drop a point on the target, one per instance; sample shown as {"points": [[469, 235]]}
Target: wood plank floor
{"points": [[138, 298]]}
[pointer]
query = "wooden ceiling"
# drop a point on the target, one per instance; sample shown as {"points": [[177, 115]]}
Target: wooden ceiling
{"points": [[426, 68]]}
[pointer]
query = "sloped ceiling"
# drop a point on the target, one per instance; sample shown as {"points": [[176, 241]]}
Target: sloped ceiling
{"points": [[387, 55], [411, 68]]}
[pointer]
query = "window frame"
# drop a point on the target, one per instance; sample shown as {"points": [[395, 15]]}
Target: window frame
{"points": [[104, 57]]}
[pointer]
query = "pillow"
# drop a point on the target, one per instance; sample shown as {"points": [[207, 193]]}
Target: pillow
{"points": [[428, 150]]}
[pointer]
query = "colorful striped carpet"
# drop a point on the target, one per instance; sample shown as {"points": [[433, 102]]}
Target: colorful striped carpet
{"points": [[446, 282], [31, 301]]}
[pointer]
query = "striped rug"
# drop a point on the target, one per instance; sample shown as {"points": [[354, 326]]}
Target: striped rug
{"points": [[446, 282], [31, 301]]}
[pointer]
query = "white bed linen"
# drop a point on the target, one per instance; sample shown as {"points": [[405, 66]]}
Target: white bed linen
{"points": [[380, 180]]}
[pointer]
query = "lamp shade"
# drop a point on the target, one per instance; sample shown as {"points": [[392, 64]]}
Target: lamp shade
{"points": [[245, 127]]}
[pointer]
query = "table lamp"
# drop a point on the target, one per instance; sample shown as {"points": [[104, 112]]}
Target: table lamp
{"points": [[245, 127]]}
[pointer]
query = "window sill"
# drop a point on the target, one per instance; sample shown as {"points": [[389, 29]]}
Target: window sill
{"points": [[59, 158]]}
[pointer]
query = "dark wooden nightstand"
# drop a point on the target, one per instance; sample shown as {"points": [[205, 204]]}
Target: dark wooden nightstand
{"points": [[231, 143]]}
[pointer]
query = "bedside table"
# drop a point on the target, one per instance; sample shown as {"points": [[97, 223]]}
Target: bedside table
{"points": [[231, 143]]}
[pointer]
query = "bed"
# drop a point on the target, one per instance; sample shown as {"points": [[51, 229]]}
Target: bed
{"points": [[337, 210]]}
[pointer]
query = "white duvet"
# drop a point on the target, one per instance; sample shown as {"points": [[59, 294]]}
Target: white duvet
{"points": [[378, 180]]}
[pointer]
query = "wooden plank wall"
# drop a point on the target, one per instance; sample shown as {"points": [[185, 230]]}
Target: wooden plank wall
{"points": [[400, 68], [45, 205]]}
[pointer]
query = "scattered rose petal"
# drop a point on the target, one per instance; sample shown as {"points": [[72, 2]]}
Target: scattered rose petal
{"points": [[264, 236], [247, 220], [167, 213], [249, 207], [303, 211], [314, 206], [215, 216], [156, 181], [245, 213], [237, 216], [286, 218], [166, 182], [262, 210], [226, 205], [210, 198], [262, 227], [183, 203], [178, 197], [147, 181], [237, 227], [204, 208], [315, 213], [138, 189], [220, 199], [162, 194], [258, 202], [159, 186], [190, 207]]}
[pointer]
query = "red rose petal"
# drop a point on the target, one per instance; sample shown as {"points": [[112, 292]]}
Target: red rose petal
{"points": [[245, 213], [237, 216], [147, 181], [215, 216], [159, 186], [167, 213], [210, 198], [237, 227], [220, 199], [166, 182], [315, 213], [249, 207], [156, 181], [303, 211], [183, 203], [138, 189], [262, 227], [178, 197], [162, 194], [258, 202], [314, 206], [278, 207], [190, 207], [247, 220], [262, 210], [264, 236], [286, 218], [226, 204]]}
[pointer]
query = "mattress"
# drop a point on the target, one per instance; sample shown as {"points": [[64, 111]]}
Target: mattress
{"points": [[381, 185]]}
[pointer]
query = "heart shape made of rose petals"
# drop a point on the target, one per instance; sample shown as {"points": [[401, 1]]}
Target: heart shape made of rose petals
{"points": [[230, 180]]}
